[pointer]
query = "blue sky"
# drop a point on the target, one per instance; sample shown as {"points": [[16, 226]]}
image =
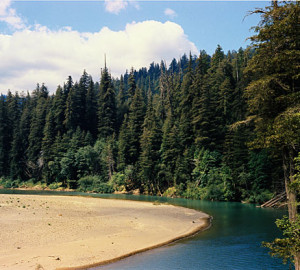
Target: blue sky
{"points": [[45, 41]]}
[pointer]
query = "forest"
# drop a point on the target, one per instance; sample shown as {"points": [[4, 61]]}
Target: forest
{"points": [[162, 130], [220, 127], [202, 127]]}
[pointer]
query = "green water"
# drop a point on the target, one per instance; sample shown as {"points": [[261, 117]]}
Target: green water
{"points": [[232, 242]]}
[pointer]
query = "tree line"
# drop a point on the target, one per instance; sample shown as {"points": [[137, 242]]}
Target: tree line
{"points": [[219, 127], [160, 130], [187, 129]]}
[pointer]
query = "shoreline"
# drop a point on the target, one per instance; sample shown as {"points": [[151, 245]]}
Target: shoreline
{"points": [[204, 227], [74, 232]]}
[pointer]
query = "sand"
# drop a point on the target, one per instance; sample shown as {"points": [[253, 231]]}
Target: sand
{"points": [[54, 232]]}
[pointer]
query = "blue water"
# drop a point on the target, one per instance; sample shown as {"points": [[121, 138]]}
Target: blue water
{"points": [[233, 241]]}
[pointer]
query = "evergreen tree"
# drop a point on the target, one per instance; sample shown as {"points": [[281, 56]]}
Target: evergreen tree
{"points": [[187, 96], [48, 150], [201, 101], [274, 94], [35, 137], [131, 86], [123, 145], [135, 122], [20, 144], [3, 124], [75, 109], [68, 85], [173, 68], [215, 102], [169, 152], [107, 106], [217, 57], [84, 84], [149, 157], [91, 118], [166, 95], [59, 107], [13, 118], [122, 103]]}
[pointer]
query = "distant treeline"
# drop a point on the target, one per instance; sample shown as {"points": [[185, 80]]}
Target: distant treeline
{"points": [[163, 130]]}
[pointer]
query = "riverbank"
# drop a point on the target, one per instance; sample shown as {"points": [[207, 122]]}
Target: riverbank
{"points": [[50, 232]]}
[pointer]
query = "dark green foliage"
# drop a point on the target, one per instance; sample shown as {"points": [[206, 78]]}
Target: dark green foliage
{"points": [[91, 118], [201, 104], [75, 108], [59, 107], [212, 177], [214, 128], [122, 103], [286, 247], [274, 101], [149, 156], [107, 115], [123, 145], [131, 85], [48, 151], [35, 161], [135, 122], [94, 183], [180, 130], [151, 142], [186, 135], [170, 150], [20, 143], [3, 124]]}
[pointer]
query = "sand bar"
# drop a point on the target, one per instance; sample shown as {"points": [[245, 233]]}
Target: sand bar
{"points": [[54, 232]]}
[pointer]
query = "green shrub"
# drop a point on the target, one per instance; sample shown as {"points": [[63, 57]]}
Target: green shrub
{"points": [[15, 183], [55, 185], [175, 192], [119, 179], [9, 183], [87, 183], [30, 183], [94, 183], [104, 188], [287, 246], [260, 196], [170, 192], [194, 192]]}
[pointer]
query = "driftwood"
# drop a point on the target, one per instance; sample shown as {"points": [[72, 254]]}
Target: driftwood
{"points": [[276, 201]]}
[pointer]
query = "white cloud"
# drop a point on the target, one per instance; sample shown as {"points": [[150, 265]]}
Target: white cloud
{"points": [[115, 6], [45, 56], [10, 16], [4, 4], [170, 13]]}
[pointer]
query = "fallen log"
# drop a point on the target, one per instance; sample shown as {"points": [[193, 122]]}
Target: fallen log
{"points": [[275, 201]]}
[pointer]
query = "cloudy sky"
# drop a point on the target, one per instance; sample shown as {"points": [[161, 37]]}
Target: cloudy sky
{"points": [[46, 41]]}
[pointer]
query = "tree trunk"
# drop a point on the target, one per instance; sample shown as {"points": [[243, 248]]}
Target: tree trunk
{"points": [[289, 172]]}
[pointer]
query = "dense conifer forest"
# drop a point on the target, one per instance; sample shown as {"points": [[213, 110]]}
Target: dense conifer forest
{"points": [[220, 127], [163, 130], [185, 129]]}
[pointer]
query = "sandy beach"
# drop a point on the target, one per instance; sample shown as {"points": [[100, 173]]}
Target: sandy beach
{"points": [[61, 232]]}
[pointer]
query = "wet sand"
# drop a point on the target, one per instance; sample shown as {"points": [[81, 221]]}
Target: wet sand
{"points": [[62, 232]]}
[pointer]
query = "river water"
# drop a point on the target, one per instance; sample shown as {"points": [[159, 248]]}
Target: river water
{"points": [[232, 242]]}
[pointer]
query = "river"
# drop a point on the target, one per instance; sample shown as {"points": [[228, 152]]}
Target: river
{"points": [[233, 241]]}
